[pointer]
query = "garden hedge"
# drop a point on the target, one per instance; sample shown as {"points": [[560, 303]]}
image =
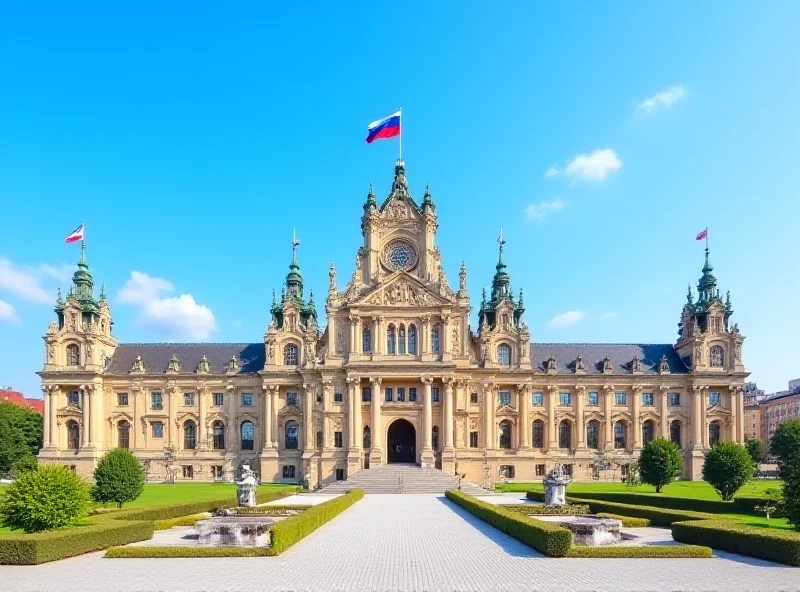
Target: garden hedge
{"points": [[650, 551], [627, 521], [179, 521], [782, 546], [738, 505], [656, 516], [185, 552], [550, 539], [292, 530], [568, 510]]}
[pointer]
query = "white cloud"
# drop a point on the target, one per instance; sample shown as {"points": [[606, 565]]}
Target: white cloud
{"points": [[539, 211], [663, 99], [595, 166], [552, 172], [610, 315], [566, 319], [174, 317], [62, 273], [7, 313], [25, 282]]}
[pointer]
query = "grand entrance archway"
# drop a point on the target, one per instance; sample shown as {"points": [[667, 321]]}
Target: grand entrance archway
{"points": [[402, 441]]}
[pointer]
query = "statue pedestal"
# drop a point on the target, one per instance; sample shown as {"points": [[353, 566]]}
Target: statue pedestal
{"points": [[427, 459], [555, 487], [448, 461]]}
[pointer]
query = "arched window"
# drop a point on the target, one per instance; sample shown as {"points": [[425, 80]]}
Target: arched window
{"points": [[503, 355], [620, 440], [565, 434], [73, 434], [290, 354], [435, 438], [248, 435], [73, 354], [189, 435], [218, 429], [648, 431], [593, 434], [366, 339], [391, 340], [401, 340], [290, 442], [435, 339], [412, 339], [717, 356], [367, 437], [538, 434], [319, 439], [713, 433], [675, 433], [124, 434], [505, 434]]}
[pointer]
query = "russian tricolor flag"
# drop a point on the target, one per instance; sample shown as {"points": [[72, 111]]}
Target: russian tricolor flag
{"points": [[388, 127]]}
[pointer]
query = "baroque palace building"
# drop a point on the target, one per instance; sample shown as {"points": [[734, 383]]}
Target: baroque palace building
{"points": [[398, 375]]}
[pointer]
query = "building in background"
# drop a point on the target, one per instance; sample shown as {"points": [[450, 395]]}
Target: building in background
{"points": [[397, 376], [777, 408], [11, 396]]}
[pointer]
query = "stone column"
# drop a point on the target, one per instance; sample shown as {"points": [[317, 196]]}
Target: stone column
{"points": [[376, 335], [664, 410], [268, 416], [376, 430], [734, 408], [697, 418], [524, 397], [308, 418], [173, 394], [231, 429], [47, 406], [488, 405], [353, 344], [636, 425], [202, 429], [358, 424], [53, 412], [448, 415], [274, 415], [425, 341], [740, 417], [427, 458], [351, 417], [552, 426], [580, 424], [608, 432], [98, 437], [86, 410]]}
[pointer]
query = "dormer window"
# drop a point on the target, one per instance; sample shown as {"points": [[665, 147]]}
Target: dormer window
{"points": [[73, 354], [504, 355], [717, 356], [290, 355]]}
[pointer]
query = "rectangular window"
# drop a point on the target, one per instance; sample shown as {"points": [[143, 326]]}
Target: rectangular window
{"points": [[540, 470], [504, 398], [388, 394], [713, 398], [156, 402], [594, 398], [291, 399], [216, 472], [473, 398], [338, 397], [122, 399], [537, 399], [564, 399], [337, 439], [620, 398], [507, 471], [473, 439], [158, 429], [188, 399], [340, 475], [674, 399], [568, 470], [412, 395], [647, 399], [366, 394], [247, 399], [219, 399], [401, 394], [188, 471], [435, 395], [288, 472], [74, 398]]}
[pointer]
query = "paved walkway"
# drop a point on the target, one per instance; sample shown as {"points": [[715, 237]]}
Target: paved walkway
{"points": [[401, 542]]}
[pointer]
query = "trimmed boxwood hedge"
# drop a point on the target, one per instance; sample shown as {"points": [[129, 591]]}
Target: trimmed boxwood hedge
{"points": [[650, 551], [656, 516], [782, 546], [550, 539], [627, 521], [739, 505], [568, 510], [185, 552], [179, 521]]}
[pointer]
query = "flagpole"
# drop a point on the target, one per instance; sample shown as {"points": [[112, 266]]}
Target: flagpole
{"points": [[400, 141], [706, 240]]}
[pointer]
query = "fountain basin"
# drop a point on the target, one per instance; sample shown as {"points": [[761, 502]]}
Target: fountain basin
{"points": [[593, 531], [234, 531]]}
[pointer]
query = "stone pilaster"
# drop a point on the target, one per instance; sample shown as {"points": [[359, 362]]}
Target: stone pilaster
{"points": [[552, 420], [427, 458], [636, 425], [608, 424], [663, 409], [524, 397], [448, 452], [376, 430]]}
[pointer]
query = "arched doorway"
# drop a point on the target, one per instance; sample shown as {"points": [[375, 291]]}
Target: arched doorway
{"points": [[402, 440]]}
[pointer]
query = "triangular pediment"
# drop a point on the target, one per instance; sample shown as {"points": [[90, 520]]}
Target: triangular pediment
{"points": [[401, 289]]}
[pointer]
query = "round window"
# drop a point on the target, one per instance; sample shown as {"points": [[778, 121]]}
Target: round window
{"points": [[399, 256]]}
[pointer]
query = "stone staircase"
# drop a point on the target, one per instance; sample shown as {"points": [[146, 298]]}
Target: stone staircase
{"points": [[402, 478]]}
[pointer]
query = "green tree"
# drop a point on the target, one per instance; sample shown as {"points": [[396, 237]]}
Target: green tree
{"points": [[118, 478], [790, 506], [785, 447], [727, 467], [659, 463], [755, 449], [20, 434], [49, 497], [23, 463]]}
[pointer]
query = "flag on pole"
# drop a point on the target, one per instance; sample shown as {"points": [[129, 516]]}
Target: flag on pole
{"points": [[703, 234], [75, 235], [388, 127]]}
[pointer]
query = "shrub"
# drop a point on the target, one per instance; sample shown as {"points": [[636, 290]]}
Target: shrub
{"points": [[782, 546], [651, 552], [22, 464], [627, 521], [565, 510], [547, 538], [49, 497], [535, 496], [288, 532], [784, 445], [184, 552], [791, 492], [21, 431], [738, 505], [657, 516], [659, 462], [755, 448], [180, 521], [727, 467], [118, 478]]}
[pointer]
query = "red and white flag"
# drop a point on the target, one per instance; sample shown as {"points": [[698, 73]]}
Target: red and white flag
{"points": [[75, 235], [700, 236]]}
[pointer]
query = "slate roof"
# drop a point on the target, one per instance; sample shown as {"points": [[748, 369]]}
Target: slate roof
{"points": [[620, 354], [156, 356]]}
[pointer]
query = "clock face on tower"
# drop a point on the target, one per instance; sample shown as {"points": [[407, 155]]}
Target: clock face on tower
{"points": [[399, 255]]}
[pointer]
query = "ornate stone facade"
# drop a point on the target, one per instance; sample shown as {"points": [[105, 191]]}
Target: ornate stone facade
{"points": [[318, 405]]}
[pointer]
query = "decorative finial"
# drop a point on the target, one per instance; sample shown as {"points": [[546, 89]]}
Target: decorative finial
{"points": [[370, 203], [102, 292], [520, 304], [295, 244], [500, 243], [59, 298], [689, 297], [274, 301]]}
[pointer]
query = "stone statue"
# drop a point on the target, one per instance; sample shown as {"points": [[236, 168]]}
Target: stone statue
{"points": [[579, 364], [246, 488], [271, 354], [551, 363], [204, 366], [636, 365], [233, 364], [607, 366], [332, 278], [663, 364], [51, 352], [555, 487], [138, 365], [462, 279], [174, 364]]}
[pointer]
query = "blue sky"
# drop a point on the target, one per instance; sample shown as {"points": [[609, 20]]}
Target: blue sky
{"points": [[191, 138]]}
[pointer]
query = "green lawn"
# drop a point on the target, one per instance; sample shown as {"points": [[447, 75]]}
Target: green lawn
{"points": [[162, 494], [688, 489]]}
